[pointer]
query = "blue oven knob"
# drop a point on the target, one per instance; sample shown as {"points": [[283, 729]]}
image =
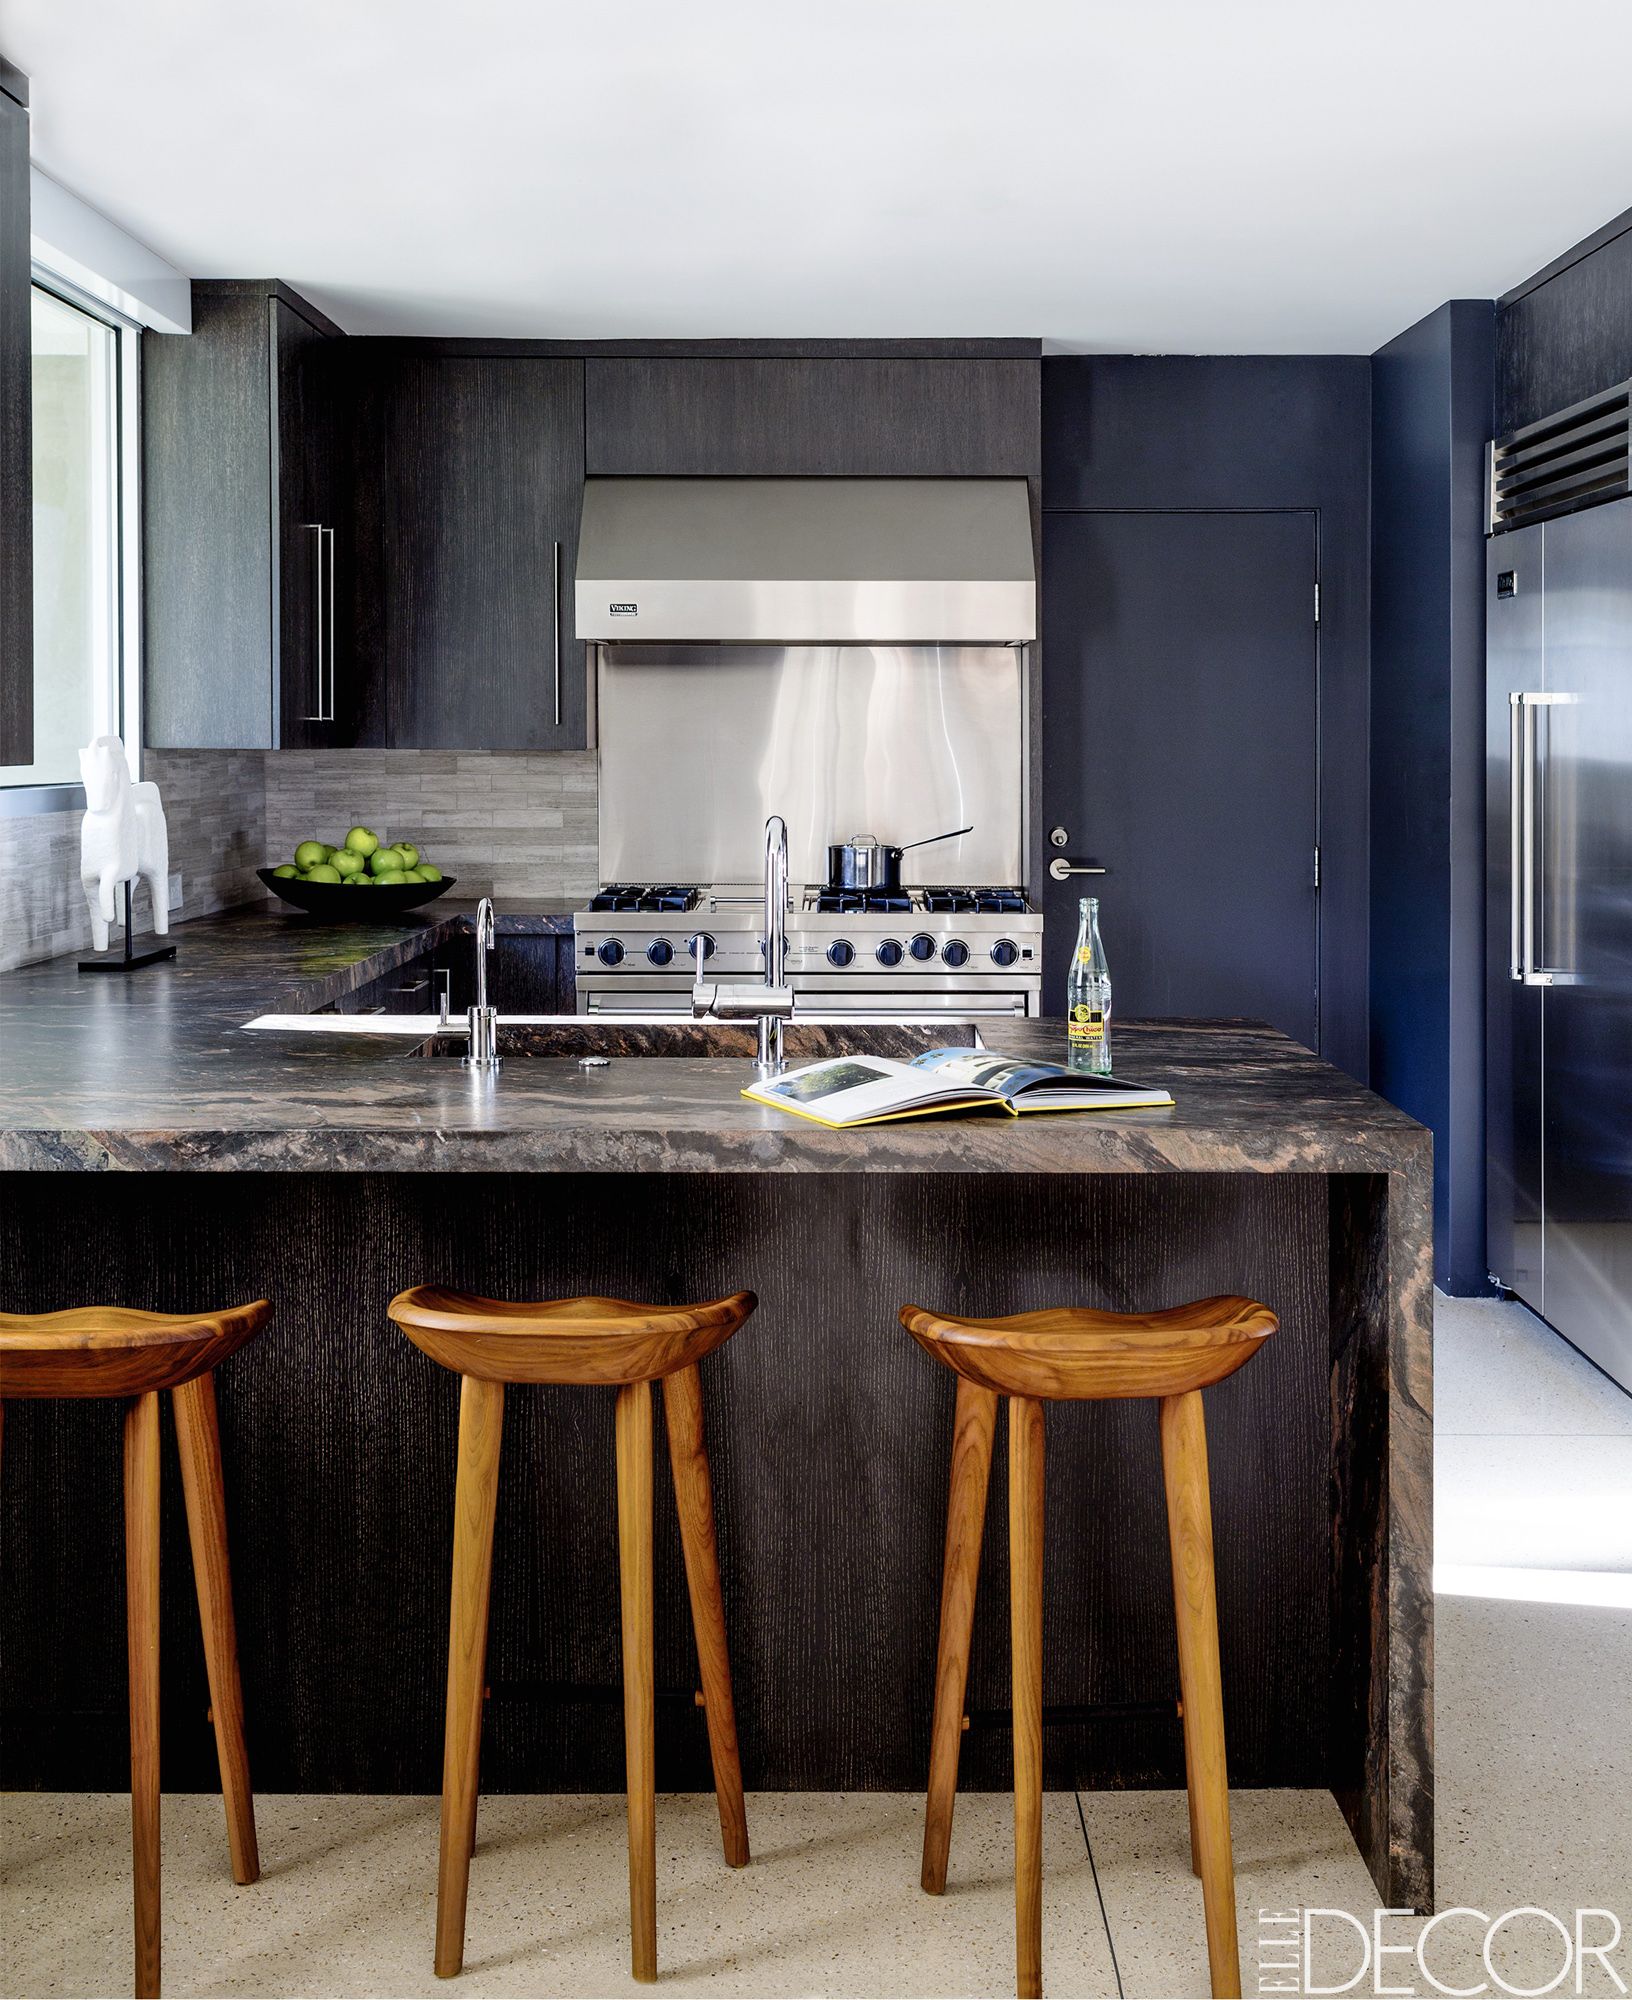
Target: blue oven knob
{"points": [[922, 948], [955, 952], [840, 952], [660, 951], [1005, 952], [888, 953], [610, 952], [691, 945]]}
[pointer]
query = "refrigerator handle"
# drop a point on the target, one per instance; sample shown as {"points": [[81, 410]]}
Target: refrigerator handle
{"points": [[1515, 839], [1523, 708]]}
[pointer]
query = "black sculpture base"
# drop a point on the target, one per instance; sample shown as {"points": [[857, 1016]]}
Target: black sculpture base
{"points": [[131, 960]]}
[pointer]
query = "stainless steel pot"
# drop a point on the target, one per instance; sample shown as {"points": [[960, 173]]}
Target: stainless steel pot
{"points": [[865, 863]]}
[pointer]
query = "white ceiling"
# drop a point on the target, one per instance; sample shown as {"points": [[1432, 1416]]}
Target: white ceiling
{"points": [[1209, 176]]}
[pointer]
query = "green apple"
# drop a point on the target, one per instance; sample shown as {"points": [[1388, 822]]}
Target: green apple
{"points": [[409, 853], [347, 861], [429, 872], [322, 872], [361, 841], [287, 871], [384, 858], [309, 853]]}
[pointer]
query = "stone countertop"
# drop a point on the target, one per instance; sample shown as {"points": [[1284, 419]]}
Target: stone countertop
{"points": [[156, 1071]]}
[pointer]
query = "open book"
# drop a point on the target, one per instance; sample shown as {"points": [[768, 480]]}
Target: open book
{"points": [[871, 1090]]}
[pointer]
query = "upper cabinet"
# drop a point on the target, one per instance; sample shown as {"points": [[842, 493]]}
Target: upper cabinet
{"points": [[480, 485], [246, 543], [844, 415], [16, 445]]}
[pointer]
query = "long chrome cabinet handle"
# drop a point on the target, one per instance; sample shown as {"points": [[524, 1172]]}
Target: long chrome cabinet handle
{"points": [[333, 655], [316, 713], [555, 621], [1060, 868]]}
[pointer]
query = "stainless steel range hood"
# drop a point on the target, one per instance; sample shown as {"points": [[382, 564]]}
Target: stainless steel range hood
{"points": [[807, 561]]}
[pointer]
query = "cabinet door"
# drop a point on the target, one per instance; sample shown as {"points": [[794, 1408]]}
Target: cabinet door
{"points": [[484, 465], [864, 417], [305, 557]]}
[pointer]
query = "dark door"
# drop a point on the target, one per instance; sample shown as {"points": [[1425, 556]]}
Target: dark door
{"points": [[307, 532], [1179, 754], [484, 474]]}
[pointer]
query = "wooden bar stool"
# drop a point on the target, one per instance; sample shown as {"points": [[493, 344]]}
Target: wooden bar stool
{"points": [[1067, 1356], [112, 1351], [491, 1343]]}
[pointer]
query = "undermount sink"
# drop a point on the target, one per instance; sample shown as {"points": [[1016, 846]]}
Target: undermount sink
{"points": [[803, 1041]]}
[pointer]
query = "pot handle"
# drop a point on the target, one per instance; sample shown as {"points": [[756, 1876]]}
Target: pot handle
{"points": [[930, 839]]}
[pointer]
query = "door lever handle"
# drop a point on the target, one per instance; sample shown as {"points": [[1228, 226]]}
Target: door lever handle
{"points": [[1060, 868]]}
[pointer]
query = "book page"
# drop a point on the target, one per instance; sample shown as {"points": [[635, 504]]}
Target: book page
{"points": [[846, 1090]]}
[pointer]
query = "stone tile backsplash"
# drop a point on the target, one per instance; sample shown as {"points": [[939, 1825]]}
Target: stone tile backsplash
{"points": [[509, 825], [215, 810]]}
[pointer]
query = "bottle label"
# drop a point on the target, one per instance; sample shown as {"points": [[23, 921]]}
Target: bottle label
{"points": [[1086, 1027], [1085, 954]]}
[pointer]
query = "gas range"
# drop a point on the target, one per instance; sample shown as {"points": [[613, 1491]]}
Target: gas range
{"points": [[953, 949]]}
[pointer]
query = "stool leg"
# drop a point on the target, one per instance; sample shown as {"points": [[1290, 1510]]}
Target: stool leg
{"points": [[142, 1641], [1190, 1538], [972, 1427], [198, 1438], [694, 1500], [481, 1428], [1026, 1628], [634, 1453]]}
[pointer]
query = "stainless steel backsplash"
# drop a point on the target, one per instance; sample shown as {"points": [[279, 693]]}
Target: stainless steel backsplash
{"points": [[698, 744]]}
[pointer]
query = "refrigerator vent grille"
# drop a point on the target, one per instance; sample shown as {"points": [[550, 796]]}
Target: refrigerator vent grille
{"points": [[1572, 459]]}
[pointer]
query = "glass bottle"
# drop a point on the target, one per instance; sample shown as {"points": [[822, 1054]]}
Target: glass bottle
{"points": [[1088, 997]]}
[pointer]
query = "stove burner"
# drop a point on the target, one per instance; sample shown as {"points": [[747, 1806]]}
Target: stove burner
{"points": [[853, 902], [637, 896], [988, 902]]}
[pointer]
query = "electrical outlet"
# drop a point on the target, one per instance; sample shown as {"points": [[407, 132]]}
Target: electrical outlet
{"points": [[175, 892]]}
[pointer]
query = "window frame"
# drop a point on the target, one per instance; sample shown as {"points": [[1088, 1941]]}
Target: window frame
{"points": [[19, 800]]}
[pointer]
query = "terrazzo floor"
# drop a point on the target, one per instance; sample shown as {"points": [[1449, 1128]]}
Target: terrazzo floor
{"points": [[1534, 1777]]}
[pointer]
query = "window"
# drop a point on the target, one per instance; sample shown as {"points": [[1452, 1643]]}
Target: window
{"points": [[84, 384]]}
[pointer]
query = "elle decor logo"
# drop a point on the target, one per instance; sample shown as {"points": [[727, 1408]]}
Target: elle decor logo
{"points": [[1459, 1952], [623, 610]]}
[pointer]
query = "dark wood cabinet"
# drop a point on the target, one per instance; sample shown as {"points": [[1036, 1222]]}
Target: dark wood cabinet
{"points": [[480, 486], [16, 435], [246, 534], [860, 416]]}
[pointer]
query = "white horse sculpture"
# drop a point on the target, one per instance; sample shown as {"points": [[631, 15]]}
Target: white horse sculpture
{"points": [[123, 835]]}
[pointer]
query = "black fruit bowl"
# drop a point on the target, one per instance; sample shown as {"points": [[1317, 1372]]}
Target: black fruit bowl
{"points": [[334, 903]]}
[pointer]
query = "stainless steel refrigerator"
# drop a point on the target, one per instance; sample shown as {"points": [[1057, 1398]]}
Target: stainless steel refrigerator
{"points": [[1559, 924]]}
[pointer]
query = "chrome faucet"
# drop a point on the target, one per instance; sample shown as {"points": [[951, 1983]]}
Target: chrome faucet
{"points": [[482, 1049], [771, 1001], [769, 1061]]}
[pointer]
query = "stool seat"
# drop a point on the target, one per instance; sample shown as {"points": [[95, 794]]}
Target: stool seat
{"points": [[574, 1340], [117, 1351], [1079, 1354]]}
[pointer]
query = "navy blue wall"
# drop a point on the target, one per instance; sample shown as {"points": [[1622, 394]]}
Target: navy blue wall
{"points": [[1431, 392], [1252, 431]]}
